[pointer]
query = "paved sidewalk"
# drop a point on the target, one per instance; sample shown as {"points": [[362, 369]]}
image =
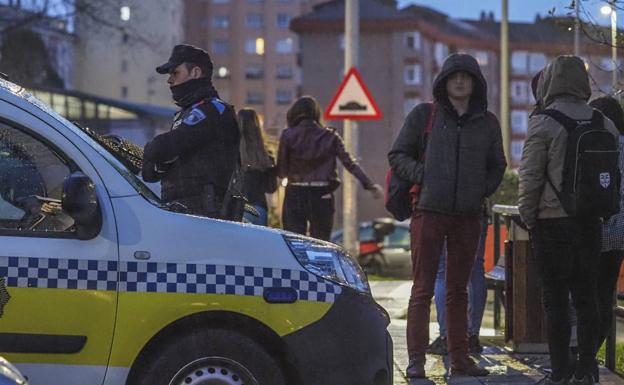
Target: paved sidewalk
{"points": [[506, 368]]}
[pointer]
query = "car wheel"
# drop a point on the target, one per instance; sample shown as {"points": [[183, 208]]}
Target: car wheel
{"points": [[220, 357]]}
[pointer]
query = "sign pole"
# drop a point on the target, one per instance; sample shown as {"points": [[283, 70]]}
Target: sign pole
{"points": [[349, 192]]}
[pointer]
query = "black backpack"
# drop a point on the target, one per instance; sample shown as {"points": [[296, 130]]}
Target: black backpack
{"points": [[591, 177]]}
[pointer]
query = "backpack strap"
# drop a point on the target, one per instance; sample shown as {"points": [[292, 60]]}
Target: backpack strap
{"points": [[428, 128], [567, 122]]}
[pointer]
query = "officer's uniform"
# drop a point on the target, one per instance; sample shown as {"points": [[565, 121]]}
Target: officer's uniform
{"points": [[195, 160]]}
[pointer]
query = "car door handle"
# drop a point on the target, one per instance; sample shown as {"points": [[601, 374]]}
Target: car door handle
{"points": [[142, 255]]}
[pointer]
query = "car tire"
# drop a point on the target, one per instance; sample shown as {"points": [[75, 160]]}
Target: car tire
{"points": [[213, 356]]}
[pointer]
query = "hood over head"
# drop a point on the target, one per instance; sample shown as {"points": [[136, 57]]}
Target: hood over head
{"points": [[462, 62], [611, 108], [565, 75]]}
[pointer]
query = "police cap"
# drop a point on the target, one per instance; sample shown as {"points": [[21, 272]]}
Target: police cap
{"points": [[184, 53]]}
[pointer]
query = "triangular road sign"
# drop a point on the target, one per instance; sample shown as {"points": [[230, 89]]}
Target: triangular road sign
{"points": [[353, 100]]}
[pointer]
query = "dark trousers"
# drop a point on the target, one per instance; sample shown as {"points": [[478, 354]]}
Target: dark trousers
{"points": [[567, 252], [308, 205], [608, 273], [428, 232]]}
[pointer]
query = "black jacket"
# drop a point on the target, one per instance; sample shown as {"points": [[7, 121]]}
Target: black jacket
{"points": [[464, 160], [195, 159]]}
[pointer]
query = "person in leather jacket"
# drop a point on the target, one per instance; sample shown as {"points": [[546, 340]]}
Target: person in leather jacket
{"points": [[195, 160], [307, 158]]}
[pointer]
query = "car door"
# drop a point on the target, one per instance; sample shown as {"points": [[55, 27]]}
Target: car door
{"points": [[57, 293]]}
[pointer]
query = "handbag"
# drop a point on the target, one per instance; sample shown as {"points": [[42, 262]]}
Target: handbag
{"points": [[400, 195]]}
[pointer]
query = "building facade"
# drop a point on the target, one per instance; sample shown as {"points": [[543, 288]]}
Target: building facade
{"points": [[120, 62], [402, 50], [255, 54]]}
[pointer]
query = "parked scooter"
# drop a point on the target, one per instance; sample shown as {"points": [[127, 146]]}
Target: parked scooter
{"points": [[371, 256]]}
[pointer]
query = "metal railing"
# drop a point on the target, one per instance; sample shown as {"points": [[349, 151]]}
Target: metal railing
{"points": [[509, 213]]}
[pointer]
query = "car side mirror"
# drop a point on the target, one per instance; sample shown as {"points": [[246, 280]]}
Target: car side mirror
{"points": [[80, 202], [382, 227]]}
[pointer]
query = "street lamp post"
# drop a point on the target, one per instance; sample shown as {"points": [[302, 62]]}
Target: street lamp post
{"points": [[611, 10]]}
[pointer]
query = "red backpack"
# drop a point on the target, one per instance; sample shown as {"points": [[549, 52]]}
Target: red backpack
{"points": [[401, 195]]}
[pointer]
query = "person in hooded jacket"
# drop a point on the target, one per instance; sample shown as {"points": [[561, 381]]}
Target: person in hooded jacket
{"points": [[307, 158], [566, 249], [464, 164], [195, 160]]}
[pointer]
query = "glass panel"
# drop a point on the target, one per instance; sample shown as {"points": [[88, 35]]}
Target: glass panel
{"points": [[31, 183], [74, 110], [118, 113]]}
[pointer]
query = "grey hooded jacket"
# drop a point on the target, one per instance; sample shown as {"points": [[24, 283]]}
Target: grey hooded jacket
{"points": [[464, 160], [563, 86]]}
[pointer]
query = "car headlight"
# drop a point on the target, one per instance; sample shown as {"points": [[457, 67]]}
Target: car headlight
{"points": [[329, 261]]}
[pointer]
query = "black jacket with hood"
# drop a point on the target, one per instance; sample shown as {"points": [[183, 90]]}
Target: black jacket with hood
{"points": [[464, 160]]}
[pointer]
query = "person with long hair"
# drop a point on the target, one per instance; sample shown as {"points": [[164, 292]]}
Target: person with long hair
{"points": [[307, 158], [257, 165]]}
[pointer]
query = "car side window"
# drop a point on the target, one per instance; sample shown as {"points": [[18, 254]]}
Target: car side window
{"points": [[399, 238], [31, 183]]}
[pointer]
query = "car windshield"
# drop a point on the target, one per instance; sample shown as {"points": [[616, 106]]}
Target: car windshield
{"points": [[88, 137]]}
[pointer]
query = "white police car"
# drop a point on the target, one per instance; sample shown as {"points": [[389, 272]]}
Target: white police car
{"points": [[100, 283]]}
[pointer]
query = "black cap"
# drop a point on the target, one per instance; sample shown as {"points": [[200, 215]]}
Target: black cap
{"points": [[184, 53]]}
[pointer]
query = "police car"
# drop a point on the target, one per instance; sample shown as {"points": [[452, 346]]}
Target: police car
{"points": [[100, 283]]}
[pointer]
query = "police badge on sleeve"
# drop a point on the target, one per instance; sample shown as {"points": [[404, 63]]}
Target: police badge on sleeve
{"points": [[195, 116]]}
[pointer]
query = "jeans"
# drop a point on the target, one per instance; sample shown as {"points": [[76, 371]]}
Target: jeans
{"points": [[313, 205], [428, 232], [567, 252], [477, 289], [262, 219]]}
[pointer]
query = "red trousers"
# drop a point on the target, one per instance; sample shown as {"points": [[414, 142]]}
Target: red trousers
{"points": [[428, 232]]}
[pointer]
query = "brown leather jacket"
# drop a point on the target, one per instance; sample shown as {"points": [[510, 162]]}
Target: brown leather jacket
{"points": [[308, 152]]}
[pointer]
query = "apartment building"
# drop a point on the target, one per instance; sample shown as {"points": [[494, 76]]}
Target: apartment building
{"points": [[116, 55], [402, 50], [255, 54]]}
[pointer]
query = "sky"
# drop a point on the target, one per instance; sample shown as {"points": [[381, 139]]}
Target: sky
{"points": [[519, 10]]}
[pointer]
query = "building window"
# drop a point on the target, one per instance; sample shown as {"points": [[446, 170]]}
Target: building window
{"points": [[516, 150], [519, 91], [440, 52], [124, 66], [606, 64], [254, 20], [412, 40], [124, 92], [124, 13], [519, 62], [220, 21], [254, 71], [220, 1], [341, 42], [284, 71], [519, 122], [412, 74], [220, 47], [125, 38], [254, 1], [223, 72], [409, 104], [482, 58], [537, 62], [283, 20], [255, 46], [254, 97], [284, 45], [284, 96]]}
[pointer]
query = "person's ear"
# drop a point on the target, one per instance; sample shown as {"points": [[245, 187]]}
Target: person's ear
{"points": [[196, 73]]}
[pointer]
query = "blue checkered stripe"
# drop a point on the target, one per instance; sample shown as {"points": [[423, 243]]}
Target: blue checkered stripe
{"points": [[54, 273], [222, 279], [161, 277]]}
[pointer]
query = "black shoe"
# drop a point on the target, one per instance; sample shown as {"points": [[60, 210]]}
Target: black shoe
{"points": [[586, 380], [467, 367], [438, 347], [415, 369], [474, 346], [549, 381]]}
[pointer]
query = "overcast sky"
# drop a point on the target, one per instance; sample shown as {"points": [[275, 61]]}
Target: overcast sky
{"points": [[519, 10]]}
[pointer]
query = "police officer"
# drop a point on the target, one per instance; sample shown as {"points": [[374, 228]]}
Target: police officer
{"points": [[196, 158]]}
